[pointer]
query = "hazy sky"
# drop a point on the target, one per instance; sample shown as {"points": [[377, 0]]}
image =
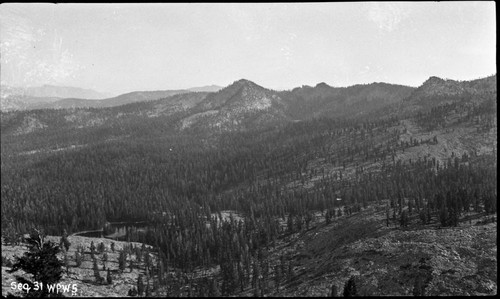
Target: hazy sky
{"points": [[124, 47]]}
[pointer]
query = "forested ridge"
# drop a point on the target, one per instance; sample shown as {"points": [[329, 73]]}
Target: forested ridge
{"points": [[137, 168]]}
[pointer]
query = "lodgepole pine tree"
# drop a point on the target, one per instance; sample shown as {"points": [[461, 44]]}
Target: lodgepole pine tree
{"points": [[40, 261]]}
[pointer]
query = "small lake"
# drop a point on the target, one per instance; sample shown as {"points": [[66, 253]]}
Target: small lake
{"points": [[117, 230]]}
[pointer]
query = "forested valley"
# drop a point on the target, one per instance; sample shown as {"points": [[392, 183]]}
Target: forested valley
{"points": [[435, 163]]}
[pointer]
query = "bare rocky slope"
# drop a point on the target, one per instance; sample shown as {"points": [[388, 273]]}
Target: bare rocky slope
{"points": [[389, 260]]}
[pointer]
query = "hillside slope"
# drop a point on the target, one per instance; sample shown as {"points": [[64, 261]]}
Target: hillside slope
{"points": [[385, 260], [388, 261]]}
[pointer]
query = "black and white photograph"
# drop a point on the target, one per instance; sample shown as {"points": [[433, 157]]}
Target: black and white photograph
{"points": [[281, 149]]}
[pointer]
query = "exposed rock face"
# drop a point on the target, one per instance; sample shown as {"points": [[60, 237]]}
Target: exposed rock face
{"points": [[30, 124], [241, 104]]}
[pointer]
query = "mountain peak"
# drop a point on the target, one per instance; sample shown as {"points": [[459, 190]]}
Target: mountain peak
{"points": [[244, 82], [434, 80], [322, 85], [435, 85]]}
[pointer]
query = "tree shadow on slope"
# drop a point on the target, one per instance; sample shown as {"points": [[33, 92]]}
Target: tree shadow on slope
{"points": [[347, 232], [325, 250]]}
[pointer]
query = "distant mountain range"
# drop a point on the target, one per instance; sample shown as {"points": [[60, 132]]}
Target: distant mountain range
{"points": [[19, 98], [127, 98], [245, 105], [62, 97], [52, 91], [224, 105], [208, 88]]}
